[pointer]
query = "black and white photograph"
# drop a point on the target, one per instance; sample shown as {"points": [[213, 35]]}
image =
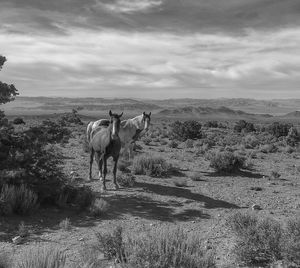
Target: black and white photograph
{"points": [[149, 133]]}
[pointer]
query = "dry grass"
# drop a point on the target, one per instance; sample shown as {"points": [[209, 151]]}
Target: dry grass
{"points": [[150, 165], [99, 207], [17, 199], [47, 256]]}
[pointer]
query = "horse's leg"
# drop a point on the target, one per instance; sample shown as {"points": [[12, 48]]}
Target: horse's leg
{"points": [[104, 159], [115, 172], [99, 162], [92, 152]]}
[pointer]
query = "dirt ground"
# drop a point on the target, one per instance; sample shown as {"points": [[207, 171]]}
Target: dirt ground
{"points": [[201, 206]]}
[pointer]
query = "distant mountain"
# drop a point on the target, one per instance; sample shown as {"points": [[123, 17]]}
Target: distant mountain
{"points": [[200, 112], [295, 114]]}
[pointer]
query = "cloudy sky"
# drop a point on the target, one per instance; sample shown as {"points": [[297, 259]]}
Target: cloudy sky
{"points": [[152, 48]]}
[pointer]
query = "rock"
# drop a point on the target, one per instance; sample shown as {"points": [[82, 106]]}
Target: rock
{"points": [[17, 240], [256, 207], [80, 239]]}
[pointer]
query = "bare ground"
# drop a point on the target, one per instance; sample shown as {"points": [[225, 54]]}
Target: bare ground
{"points": [[201, 206]]}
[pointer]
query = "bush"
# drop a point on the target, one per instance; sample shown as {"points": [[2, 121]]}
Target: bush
{"points": [[244, 126], [173, 144], [111, 244], [268, 148], [147, 140], [46, 256], [166, 247], [189, 144], [71, 118], [293, 137], [279, 129], [65, 224], [126, 180], [258, 241], [292, 243], [225, 162], [186, 130], [250, 141], [17, 199], [180, 183], [211, 124], [99, 207], [18, 121], [150, 165]]}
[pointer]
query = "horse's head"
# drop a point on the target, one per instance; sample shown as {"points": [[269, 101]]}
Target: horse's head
{"points": [[115, 122], [146, 119]]}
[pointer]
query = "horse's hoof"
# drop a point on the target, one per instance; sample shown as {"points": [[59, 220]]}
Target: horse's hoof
{"points": [[89, 179]]}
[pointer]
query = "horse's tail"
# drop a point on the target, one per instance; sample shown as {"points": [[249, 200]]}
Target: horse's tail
{"points": [[89, 129]]}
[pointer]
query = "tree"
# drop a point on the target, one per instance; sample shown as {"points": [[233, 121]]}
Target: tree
{"points": [[7, 92]]}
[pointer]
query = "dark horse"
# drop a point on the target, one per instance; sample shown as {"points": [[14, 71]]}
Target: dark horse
{"points": [[105, 143]]}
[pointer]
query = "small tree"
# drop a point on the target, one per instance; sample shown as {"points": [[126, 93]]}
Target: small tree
{"points": [[7, 92]]}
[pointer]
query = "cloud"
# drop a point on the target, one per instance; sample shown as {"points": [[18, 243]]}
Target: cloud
{"points": [[203, 48], [130, 6]]}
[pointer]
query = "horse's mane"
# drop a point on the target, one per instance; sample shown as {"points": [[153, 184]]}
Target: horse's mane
{"points": [[133, 121]]}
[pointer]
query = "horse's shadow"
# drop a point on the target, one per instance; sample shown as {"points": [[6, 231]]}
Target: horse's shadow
{"points": [[238, 173], [209, 202], [147, 208]]}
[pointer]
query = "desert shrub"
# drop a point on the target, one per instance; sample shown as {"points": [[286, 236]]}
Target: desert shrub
{"points": [[189, 143], [173, 144], [17, 199], [279, 129], [225, 162], [186, 130], [81, 196], [111, 244], [147, 140], [99, 207], [211, 124], [23, 230], [195, 176], [126, 180], [71, 118], [292, 241], [18, 121], [166, 247], [250, 141], [65, 224], [268, 148], [258, 241], [244, 126], [180, 182], [42, 256], [275, 174], [150, 165], [293, 137]]}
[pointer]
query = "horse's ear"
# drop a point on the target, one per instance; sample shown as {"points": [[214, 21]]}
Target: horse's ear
{"points": [[110, 114], [149, 113], [120, 114], [144, 113]]}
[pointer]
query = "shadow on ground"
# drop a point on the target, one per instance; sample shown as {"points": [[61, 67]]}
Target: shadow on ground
{"points": [[209, 202]]}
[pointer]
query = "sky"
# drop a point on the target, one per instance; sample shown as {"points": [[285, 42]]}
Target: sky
{"points": [[152, 48]]}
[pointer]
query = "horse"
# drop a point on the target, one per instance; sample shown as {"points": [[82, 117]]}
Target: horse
{"points": [[105, 142], [130, 130]]}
